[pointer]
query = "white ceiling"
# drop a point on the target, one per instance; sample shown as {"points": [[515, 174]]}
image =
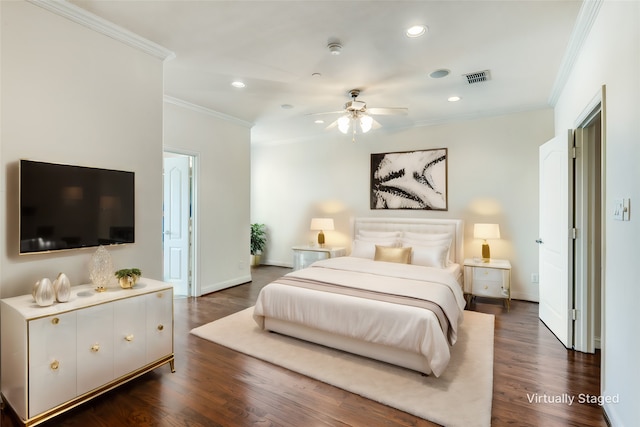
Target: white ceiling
{"points": [[275, 47]]}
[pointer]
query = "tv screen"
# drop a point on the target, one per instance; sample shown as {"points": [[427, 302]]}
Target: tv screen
{"points": [[68, 207]]}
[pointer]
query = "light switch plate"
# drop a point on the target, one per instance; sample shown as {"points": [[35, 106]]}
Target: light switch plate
{"points": [[625, 209], [621, 209]]}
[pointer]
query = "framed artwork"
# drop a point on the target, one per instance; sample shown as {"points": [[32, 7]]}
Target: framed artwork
{"points": [[409, 180]]}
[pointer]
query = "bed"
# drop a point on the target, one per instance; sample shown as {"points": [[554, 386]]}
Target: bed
{"points": [[396, 298]]}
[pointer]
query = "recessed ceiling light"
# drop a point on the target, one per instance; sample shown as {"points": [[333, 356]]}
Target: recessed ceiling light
{"points": [[416, 31], [316, 75], [238, 84], [319, 122], [438, 74], [286, 106], [454, 99]]}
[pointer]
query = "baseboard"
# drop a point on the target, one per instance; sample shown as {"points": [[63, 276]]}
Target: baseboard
{"points": [[524, 296], [277, 263], [607, 416], [207, 289]]}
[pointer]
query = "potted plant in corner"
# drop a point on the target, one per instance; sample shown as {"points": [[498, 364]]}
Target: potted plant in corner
{"points": [[258, 242], [127, 277]]}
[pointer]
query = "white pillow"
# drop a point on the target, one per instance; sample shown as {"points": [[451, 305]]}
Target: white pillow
{"points": [[410, 242], [369, 233], [382, 241], [440, 242], [365, 249], [426, 236], [430, 256]]}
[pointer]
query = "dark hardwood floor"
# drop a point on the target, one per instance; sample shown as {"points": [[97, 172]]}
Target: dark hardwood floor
{"points": [[215, 386]]}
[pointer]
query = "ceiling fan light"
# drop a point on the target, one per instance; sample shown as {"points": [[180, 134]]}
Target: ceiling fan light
{"points": [[343, 124], [366, 122]]}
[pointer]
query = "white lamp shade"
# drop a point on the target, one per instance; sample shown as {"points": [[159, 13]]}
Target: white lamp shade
{"points": [[365, 123], [343, 124], [321, 224], [486, 231]]}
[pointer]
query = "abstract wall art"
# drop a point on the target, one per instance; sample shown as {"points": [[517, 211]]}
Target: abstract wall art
{"points": [[409, 180]]}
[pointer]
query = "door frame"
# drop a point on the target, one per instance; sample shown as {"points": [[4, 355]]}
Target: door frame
{"points": [[585, 291], [194, 288]]}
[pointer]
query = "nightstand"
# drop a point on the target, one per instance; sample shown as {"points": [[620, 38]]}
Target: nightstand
{"points": [[488, 279], [304, 256]]}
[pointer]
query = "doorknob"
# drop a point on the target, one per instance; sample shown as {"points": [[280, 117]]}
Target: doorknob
{"points": [[539, 241], [167, 232]]}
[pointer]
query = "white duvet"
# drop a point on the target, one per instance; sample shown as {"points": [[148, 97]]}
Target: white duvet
{"points": [[406, 327]]}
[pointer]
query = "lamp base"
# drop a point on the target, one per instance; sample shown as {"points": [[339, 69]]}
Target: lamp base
{"points": [[486, 254], [321, 239]]}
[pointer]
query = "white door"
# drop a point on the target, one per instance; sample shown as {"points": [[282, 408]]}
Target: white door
{"points": [[176, 223], [555, 247]]}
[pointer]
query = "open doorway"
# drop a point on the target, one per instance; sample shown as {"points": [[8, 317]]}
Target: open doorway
{"points": [[178, 224], [572, 230], [588, 221]]}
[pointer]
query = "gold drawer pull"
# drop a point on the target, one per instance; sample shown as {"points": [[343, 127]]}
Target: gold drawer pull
{"points": [[129, 338], [159, 294], [486, 287], [54, 365], [95, 348], [55, 320], [160, 327]]}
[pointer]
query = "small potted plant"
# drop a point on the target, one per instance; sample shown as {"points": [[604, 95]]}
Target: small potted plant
{"points": [[127, 277], [258, 242]]}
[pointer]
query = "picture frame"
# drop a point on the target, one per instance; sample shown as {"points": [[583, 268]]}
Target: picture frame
{"points": [[410, 180]]}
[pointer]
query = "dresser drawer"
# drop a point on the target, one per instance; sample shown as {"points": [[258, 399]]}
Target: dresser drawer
{"points": [[489, 289], [487, 275]]}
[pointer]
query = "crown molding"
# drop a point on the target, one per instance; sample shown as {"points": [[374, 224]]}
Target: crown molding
{"points": [[586, 17], [100, 25], [204, 110]]}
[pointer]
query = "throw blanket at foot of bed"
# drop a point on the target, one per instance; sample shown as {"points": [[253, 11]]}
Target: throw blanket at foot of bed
{"points": [[425, 324]]}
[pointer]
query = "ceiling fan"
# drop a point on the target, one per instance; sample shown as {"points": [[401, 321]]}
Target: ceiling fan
{"points": [[356, 115]]}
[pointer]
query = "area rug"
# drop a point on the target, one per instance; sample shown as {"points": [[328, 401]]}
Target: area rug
{"points": [[460, 397]]}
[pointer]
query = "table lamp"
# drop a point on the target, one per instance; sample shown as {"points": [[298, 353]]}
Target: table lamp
{"points": [[321, 224], [486, 231]]}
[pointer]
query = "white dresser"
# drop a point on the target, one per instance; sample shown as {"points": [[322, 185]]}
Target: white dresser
{"points": [[56, 357]]}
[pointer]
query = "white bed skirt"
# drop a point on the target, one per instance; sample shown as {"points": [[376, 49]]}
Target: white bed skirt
{"points": [[395, 356]]}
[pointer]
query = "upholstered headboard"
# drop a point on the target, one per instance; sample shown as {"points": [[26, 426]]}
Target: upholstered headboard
{"points": [[417, 225]]}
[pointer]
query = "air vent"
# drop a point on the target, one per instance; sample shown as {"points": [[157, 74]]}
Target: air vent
{"points": [[477, 77]]}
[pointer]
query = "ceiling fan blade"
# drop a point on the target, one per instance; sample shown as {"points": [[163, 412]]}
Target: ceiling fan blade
{"points": [[332, 125], [388, 111], [376, 125], [326, 112]]}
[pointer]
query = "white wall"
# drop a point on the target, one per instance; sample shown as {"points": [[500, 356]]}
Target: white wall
{"points": [[493, 177], [72, 95], [223, 183], [611, 56]]}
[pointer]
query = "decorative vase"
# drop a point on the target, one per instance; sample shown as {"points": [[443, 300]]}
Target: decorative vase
{"points": [[62, 288], [128, 282], [43, 292], [101, 269]]}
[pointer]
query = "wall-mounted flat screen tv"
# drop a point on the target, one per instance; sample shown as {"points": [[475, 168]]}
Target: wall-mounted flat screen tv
{"points": [[68, 207]]}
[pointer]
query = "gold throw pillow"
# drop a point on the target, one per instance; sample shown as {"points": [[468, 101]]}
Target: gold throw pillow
{"points": [[389, 254]]}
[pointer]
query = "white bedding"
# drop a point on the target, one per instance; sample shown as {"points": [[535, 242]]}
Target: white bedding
{"points": [[409, 328]]}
